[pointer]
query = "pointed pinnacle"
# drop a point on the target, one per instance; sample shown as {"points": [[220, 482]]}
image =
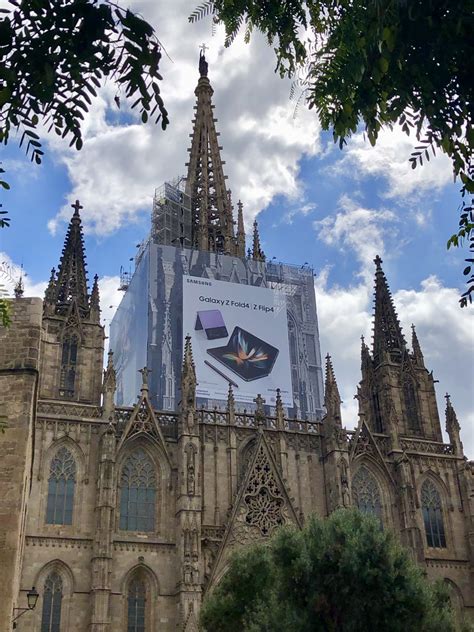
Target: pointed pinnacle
{"points": [[332, 399], [388, 336], [95, 297], [188, 360], [240, 218], [257, 252], [452, 423], [110, 359], [415, 346], [230, 398]]}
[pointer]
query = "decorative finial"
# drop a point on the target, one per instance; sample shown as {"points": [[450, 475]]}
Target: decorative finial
{"points": [[77, 207], [145, 372], [203, 65], [19, 290], [378, 262]]}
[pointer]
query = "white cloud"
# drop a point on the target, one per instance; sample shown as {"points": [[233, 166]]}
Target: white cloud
{"points": [[116, 172], [390, 160], [359, 229]]}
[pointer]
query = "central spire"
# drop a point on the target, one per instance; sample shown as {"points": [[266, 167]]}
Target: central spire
{"points": [[213, 224]]}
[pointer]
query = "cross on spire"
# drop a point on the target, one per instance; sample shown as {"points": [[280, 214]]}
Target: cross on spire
{"points": [[77, 207], [203, 47]]}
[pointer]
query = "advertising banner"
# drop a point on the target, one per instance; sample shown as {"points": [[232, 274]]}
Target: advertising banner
{"points": [[239, 336]]}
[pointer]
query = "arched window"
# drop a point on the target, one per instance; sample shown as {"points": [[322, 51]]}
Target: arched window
{"points": [[433, 515], [411, 405], [61, 482], [136, 606], [138, 493], [366, 493], [52, 598], [68, 365]]}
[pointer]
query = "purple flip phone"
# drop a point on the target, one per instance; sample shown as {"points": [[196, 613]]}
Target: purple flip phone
{"points": [[212, 322]]}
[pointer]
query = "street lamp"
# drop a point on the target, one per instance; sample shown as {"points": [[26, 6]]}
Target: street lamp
{"points": [[31, 600]]}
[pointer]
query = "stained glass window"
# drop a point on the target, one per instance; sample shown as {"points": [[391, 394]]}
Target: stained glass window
{"points": [[366, 493], [138, 493], [68, 366], [52, 598], [136, 606], [433, 515], [61, 482]]}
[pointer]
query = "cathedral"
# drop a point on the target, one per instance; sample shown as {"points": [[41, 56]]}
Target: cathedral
{"points": [[124, 491]]}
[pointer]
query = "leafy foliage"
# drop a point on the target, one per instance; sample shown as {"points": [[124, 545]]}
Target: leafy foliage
{"points": [[342, 573], [5, 318], [55, 54], [377, 63]]}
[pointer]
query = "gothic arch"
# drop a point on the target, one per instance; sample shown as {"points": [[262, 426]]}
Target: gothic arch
{"points": [[457, 601], [80, 475], [374, 471], [68, 586], [140, 584], [162, 476], [432, 479], [244, 457]]}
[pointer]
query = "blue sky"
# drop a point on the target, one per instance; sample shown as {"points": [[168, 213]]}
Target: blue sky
{"points": [[333, 209]]}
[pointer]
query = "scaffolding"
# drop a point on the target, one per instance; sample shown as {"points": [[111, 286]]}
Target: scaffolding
{"points": [[171, 222]]}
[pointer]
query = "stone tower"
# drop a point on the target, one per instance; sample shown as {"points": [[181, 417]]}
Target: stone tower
{"points": [[73, 340]]}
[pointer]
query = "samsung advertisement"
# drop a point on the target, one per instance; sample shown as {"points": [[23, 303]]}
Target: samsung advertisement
{"points": [[240, 337]]}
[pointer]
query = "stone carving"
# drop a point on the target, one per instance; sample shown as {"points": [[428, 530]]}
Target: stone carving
{"points": [[190, 469], [263, 508], [344, 480]]}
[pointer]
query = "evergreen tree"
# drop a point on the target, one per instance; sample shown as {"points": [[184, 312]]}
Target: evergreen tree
{"points": [[343, 573]]}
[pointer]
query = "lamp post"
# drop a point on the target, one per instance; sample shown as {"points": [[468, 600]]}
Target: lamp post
{"points": [[31, 600]]}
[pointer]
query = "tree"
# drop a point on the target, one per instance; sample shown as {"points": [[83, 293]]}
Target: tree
{"points": [[377, 63], [55, 54], [343, 574]]}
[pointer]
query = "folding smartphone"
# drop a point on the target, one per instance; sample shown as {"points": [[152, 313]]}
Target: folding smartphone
{"points": [[212, 322], [246, 355]]}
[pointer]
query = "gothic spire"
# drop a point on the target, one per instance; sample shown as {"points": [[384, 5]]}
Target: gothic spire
{"points": [[213, 227], [95, 300], [388, 337], [257, 252], [188, 377], [332, 399], [415, 347], [240, 230], [70, 283]]}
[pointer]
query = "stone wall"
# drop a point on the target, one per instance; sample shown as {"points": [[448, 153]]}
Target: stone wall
{"points": [[19, 362]]}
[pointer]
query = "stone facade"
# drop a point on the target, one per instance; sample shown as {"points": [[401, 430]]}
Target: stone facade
{"points": [[19, 373], [220, 478]]}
